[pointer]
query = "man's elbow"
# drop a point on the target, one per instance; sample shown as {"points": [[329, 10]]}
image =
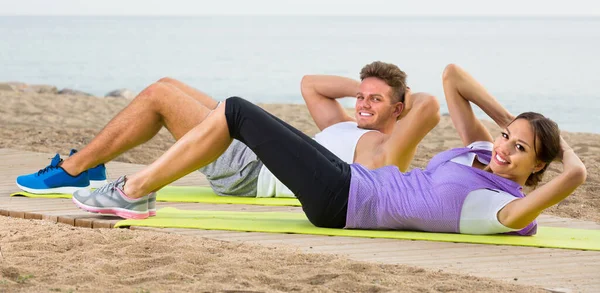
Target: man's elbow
{"points": [[429, 107]]}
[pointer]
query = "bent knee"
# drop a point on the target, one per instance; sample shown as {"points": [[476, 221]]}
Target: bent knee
{"points": [[236, 103], [156, 89], [235, 100]]}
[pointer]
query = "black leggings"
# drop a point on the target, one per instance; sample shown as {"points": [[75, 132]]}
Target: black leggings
{"points": [[319, 179]]}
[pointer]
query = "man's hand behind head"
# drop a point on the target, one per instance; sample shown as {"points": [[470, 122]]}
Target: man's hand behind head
{"points": [[408, 103]]}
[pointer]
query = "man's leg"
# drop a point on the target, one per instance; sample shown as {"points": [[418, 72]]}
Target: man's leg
{"points": [[235, 172], [201, 97], [319, 179], [160, 104]]}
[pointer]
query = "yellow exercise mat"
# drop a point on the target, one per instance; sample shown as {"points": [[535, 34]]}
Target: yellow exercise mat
{"points": [[49, 195], [277, 222], [206, 195], [200, 194]]}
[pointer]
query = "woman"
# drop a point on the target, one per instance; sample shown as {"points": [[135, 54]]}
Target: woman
{"points": [[455, 193]]}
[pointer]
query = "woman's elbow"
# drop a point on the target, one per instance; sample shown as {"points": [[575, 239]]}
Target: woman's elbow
{"points": [[578, 175], [451, 71], [307, 81]]}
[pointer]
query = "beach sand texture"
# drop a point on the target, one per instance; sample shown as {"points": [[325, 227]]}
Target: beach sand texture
{"points": [[38, 256]]}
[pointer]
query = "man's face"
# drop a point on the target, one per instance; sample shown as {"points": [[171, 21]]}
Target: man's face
{"points": [[374, 107]]}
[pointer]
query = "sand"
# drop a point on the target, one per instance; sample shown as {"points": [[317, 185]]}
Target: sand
{"points": [[38, 256]]}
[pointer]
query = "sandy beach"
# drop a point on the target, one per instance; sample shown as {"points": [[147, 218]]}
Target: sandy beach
{"points": [[38, 256]]}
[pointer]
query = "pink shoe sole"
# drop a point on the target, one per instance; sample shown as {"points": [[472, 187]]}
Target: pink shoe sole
{"points": [[112, 211]]}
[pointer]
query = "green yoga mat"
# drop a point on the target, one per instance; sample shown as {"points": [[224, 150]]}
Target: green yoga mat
{"points": [[200, 194], [33, 195], [296, 223], [206, 195]]}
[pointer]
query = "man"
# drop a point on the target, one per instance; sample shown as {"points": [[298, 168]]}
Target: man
{"points": [[382, 100], [179, 108]]}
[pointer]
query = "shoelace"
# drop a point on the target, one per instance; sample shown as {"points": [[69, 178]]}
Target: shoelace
{"points": [[111, 185], [48, 168]]}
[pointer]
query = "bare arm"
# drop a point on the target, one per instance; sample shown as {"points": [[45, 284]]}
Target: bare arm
{"points": [[461, 89], [420, 115], [320, 93], [519, 213]]}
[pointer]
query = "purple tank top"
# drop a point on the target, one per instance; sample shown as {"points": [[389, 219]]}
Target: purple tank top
{"points": [[422, 200]]}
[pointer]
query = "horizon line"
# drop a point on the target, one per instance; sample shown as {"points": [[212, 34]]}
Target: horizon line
{"points": [[330, 14]]}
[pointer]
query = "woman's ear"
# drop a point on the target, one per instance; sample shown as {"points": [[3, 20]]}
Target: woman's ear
{"points": [[540, 165]]}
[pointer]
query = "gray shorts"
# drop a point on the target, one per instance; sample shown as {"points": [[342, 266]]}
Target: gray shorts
{"points": [[235, 172]]}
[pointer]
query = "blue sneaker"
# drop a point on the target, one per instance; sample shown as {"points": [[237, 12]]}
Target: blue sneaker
{"points": [[97, 174], [53, 179]]}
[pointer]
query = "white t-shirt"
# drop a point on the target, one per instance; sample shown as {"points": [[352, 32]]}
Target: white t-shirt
{"points": [[340, 139], [479, 214]]}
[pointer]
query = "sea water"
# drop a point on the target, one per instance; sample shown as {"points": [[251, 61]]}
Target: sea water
{"points": [[543, 64]]}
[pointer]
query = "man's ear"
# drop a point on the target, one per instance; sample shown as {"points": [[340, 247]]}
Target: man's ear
{"points": [[402, 109], [398, 108]]}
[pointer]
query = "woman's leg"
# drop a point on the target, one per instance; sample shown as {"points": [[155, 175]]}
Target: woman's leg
{"points": [[319, 179]]}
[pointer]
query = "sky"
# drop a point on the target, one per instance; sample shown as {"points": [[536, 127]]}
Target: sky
{"points": [[303, 7]]}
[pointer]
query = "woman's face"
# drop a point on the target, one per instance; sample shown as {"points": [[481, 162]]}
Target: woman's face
{"points": [[513, 156]]}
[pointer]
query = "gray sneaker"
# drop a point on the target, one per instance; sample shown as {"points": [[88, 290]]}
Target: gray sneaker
{"points": [[111, 200], [152, 204]]}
